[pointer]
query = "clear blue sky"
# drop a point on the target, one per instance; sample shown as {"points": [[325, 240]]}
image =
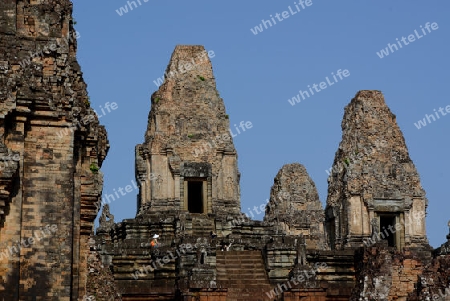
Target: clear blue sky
{"points": [[257, 74]]}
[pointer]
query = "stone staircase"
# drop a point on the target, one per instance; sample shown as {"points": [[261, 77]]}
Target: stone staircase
{"points": [[202, 226], [244, 274]]}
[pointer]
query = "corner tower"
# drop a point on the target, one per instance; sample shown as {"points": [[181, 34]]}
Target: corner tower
{"points": [[374, 192], [294, 206], [188, 161]]}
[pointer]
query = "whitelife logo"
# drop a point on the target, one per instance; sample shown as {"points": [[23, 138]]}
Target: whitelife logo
{"points": [[281, 17], [319, 87], [391, 48], [430, 118]]}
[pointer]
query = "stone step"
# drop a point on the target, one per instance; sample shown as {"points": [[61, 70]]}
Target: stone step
{"points": [[246, 283], [244, 253], [242, 282], [241, 273], [253, 296], [236, 258], [250, 290], [255, 289], [244, 274], [242, 262], [253, 270], [225, 256], [248, 295]]}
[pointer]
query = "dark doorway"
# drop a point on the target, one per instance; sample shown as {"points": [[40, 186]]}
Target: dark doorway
{"points": [[332, 232], [385, 232], [195, 196]]}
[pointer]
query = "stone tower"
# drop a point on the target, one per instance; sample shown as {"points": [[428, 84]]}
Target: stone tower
{"points": [[188, 161], [374, 192], [51, 149], [295, 207]]}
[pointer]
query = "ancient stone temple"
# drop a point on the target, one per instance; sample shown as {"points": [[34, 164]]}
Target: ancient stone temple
{"points": [[188, 161], [368, 244], [189, 195], [374, 188], [51, 148]]}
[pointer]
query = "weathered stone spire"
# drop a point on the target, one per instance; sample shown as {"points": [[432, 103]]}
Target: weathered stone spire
{"points": [[189, 60], [374, 185], [188, 161], [295, 206]]}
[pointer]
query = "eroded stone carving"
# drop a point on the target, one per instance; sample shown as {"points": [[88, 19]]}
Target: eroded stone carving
{"points": [[106, 220]]}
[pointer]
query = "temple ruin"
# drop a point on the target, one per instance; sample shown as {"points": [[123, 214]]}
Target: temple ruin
{"points": [[368, 243], [174, 168], [189, 194], [374, 184], [51, 184]]}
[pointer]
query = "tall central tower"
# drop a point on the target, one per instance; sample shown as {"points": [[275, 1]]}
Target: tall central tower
{"points": [[188, 161]]}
